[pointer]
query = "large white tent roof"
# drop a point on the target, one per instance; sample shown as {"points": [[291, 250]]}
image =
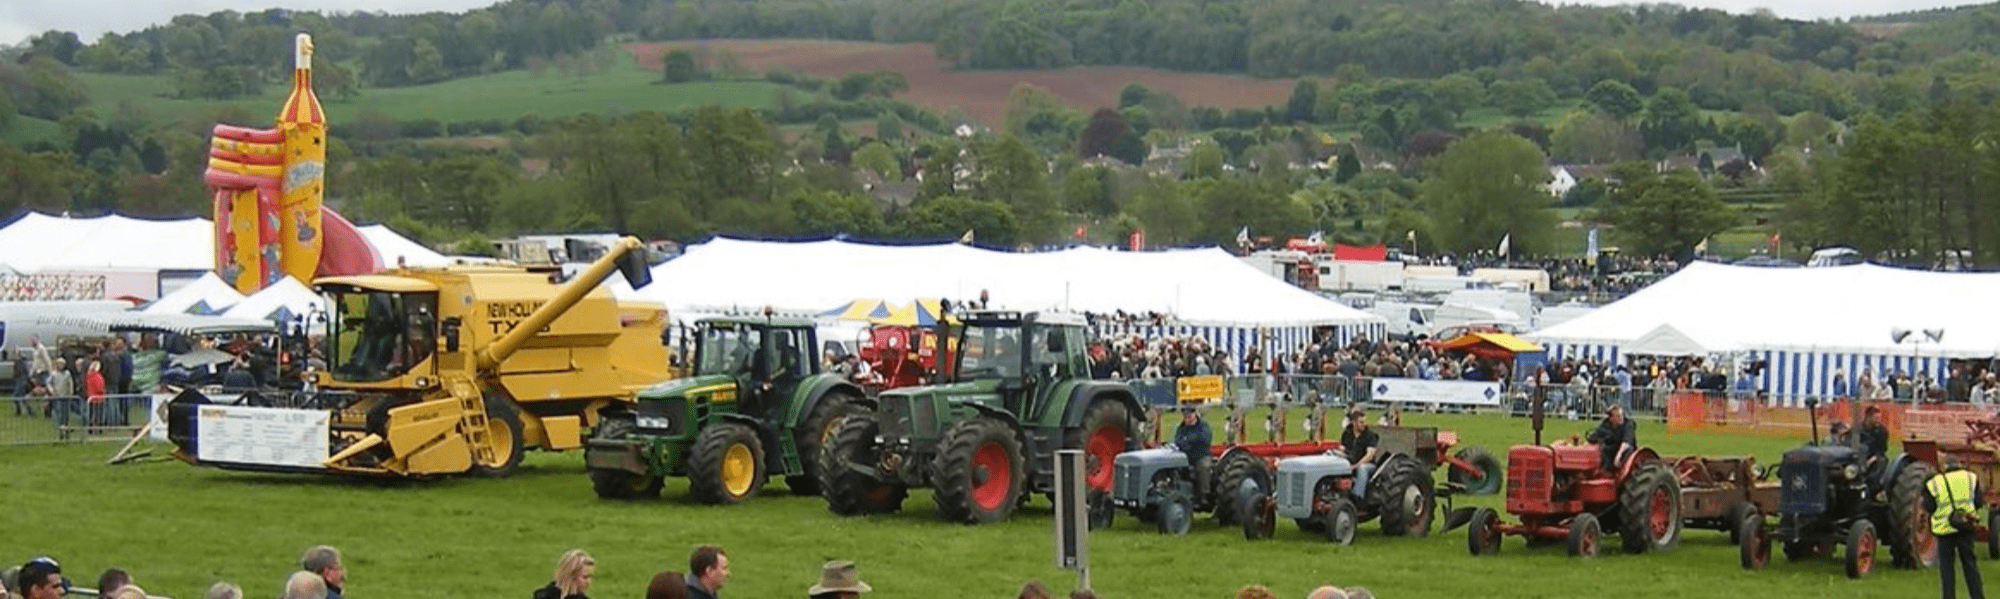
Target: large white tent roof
{"points": [[1848, 309], [37, 242], [1206, 286], [287, 294], [206, 294]]}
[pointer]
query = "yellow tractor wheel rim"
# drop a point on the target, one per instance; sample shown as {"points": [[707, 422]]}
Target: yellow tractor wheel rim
{"points": [[501, 438], [738, 468]]}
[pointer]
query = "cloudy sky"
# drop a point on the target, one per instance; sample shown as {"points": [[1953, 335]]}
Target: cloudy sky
{"points": [[20, 19]]}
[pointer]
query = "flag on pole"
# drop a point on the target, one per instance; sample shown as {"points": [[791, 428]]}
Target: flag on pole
{"points": [[1590, 243], [1243, 236], [1082, 231], [1775, 242], [1505, 240], [1317, 238], [966, 238], [1701, 248], [1412, 235], [1138, 240]]}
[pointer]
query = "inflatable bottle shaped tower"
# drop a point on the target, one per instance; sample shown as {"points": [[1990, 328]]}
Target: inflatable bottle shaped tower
{"points": [[268, 186], [304, 126]]}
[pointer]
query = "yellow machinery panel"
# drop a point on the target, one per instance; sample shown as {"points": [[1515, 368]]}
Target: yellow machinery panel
{"points": [[564, 432]]}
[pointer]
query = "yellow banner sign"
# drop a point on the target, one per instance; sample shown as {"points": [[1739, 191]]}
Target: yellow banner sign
{"points": [[1189, 389]]}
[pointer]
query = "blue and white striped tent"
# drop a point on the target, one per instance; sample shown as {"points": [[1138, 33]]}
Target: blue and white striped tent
{"points": [[1806, 323]]}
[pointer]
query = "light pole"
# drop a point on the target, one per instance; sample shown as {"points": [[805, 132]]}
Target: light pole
{"points": [[1902, 335]]}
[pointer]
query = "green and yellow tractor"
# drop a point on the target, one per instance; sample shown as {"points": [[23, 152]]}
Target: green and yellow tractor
{"points": [[757, 403], [1020, 391]]}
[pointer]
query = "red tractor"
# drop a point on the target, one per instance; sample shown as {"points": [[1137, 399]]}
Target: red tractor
{"points": [[900, 356], [1562, 493], [1979, 451]]}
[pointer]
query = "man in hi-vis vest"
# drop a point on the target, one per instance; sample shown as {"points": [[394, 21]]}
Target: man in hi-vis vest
{"points": [[1953, 497]]}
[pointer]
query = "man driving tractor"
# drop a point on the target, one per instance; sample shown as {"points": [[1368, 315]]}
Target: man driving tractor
{"points": [[1360, 444], [1614, 436]]}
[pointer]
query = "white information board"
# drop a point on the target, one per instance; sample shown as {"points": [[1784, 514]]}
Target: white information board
{"points": [[1472, 393], [269, 436]]}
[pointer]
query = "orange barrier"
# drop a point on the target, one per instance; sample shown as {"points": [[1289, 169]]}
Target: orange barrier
{"points": [[1689, 411]]}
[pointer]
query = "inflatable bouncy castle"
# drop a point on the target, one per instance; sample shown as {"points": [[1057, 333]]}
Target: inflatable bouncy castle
{"points": [[268, 186]]}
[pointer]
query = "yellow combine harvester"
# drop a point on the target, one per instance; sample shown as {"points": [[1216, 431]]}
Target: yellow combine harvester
{"points": [[434, 371]]}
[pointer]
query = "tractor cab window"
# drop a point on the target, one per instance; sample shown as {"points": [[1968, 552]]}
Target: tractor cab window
{"points": [[725, 349], [376, 336], [990, 351], [1051, 351], [792, 352]]}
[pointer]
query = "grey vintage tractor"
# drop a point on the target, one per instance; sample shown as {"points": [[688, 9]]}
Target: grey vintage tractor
{"points": [[1832, 496], [1318, 492], [1157, 487]]}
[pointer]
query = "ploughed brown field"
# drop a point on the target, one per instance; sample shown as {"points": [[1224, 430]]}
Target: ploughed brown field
{"points": [[981, 94]]}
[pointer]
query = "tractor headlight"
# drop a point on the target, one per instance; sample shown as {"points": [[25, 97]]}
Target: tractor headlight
{"points": [[1851, 472], [659, 422]]}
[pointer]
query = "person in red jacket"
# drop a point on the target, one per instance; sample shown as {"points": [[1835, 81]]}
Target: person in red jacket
{"points": [[94, 388]]}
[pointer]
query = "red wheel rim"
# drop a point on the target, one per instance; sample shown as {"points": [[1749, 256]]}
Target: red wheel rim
{"points": [[1663, 515], [1103, 448], [1760, 548], [1489, 534], [1867, 552], [1925, 543], [993, 492], [1589, 544]]}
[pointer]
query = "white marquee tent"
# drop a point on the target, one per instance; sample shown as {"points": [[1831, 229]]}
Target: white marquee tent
{"points": [[282, 301], [1207, 291], [206, 295], [392, 246], [1807, 322]]}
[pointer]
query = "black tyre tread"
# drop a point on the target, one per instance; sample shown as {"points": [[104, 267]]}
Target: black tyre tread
{"points": [[1992, 533], [810, 440], [954, 469], [621, 484], [1906, 493], [1479, 457], [1738, 512], [1584, 522], [1635, 506], [1474, 543], [1852, 558], [1102, 410], [499, 407], [1753, 539], [1233, 470], [851, 493], [1402, 473], [704, 463]]}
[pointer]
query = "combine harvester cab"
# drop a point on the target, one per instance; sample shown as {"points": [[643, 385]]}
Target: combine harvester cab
{"points": [[758, 403], [438, 371], [1021, 391]]}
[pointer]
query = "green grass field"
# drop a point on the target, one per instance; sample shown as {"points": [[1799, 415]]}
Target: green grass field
{"points": [[178, 528], [620, 87]]}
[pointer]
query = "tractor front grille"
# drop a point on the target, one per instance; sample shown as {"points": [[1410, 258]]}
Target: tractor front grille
{"points": [[1805, 487], [673, 412], [1126, 483], [1530, 481], [1294, 488], [895, 416]]}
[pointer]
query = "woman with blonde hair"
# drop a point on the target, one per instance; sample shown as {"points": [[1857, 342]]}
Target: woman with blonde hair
{"points": [[573, 574]]}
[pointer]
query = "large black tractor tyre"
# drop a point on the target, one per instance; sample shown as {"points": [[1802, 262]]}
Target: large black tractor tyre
{"points": [[1493, 473], [1911, 544], [980, 473], [1649, 509], [1235, 468], [1107, 430], [1404, 495], [811, 439], [503, 431], [850, 492], [726, 465], [615, 483]]}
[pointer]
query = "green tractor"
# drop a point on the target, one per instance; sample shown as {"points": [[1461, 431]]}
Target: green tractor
{"points": [[756, 403], [1020, 391]]}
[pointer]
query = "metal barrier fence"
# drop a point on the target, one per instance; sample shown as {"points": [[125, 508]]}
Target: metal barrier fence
{"points": [[43, 420]]}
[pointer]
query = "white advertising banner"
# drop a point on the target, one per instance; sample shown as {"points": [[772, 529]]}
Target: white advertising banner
{"points": [[1472, 393], [268, 436]]}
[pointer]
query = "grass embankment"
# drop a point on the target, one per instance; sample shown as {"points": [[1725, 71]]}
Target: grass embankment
{"points": [[178, 528]]}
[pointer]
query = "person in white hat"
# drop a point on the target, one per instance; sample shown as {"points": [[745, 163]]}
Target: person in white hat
{"points": [[838, 580]]}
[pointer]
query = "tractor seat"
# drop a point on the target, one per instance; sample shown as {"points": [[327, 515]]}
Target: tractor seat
{"points": [[1577, 457]]}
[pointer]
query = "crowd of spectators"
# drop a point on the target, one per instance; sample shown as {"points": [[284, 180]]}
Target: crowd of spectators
{"points": [[85, 384]]}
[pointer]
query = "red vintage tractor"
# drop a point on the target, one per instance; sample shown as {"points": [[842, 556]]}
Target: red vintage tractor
{"points": [[1561, 493], [900, 356], [1979, 451]]}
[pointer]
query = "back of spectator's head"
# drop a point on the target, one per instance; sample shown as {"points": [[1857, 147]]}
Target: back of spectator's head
{"points": [[1082, 594], [667, 585], [224, 590], [1328, 592], [1034, 589], [305, 584], [111, 580], [1255, 591], [319, 560], [128, 591], [1360, 593], [704, 558]]}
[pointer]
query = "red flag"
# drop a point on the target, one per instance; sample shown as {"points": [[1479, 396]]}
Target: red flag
{"points": [[1774, 241], [1138, 240], [1082, 231]]}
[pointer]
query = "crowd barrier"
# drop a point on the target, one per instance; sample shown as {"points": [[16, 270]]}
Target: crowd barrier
{"points": [[42, 420], [1698, 411]]}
